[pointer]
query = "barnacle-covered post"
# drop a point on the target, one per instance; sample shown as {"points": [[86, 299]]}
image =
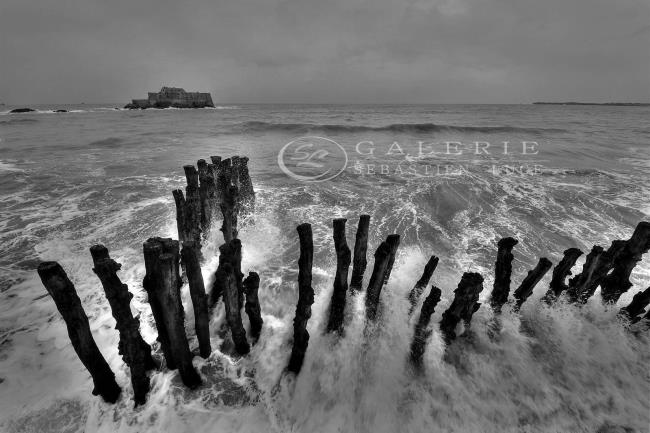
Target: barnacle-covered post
{"points": [[134, 350]]}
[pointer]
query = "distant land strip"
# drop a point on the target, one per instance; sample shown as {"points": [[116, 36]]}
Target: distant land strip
{"points": [[619, 104]]}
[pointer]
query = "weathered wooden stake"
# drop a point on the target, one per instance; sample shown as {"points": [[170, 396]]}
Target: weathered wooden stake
{"points": [[393, 243], [376, 283], [360, 248], [464, 305], [226, 274], [199, 298], [639, 303], [163, 283], [207, 193], [618, 281], [561, 271], [422, 334], [416, 291], [343, 258], [252, 306], [533, 277], [502, 273], [228, 281], [193, 204], [68, 303], [597, 264], [135, 352], [305, 299], [169, 297], [152, 249]]}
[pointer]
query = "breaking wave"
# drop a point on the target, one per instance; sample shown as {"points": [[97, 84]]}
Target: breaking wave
{"points": [[417, 128]]}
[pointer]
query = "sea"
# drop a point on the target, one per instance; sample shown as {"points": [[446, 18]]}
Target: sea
{"points": [[440, 176]]}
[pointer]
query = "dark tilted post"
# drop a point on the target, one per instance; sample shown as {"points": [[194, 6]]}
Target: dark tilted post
{"points": [[464, 305], [199, 298], [163, 283], [376, 283], [393, 243], [639, 303], [343, 258], [305, 299], [421, 332], [245, 186], [252, 306], [233, 313], [228, 281], [230, 211], [560, 273], [416, 291], [206, 194], [618, 281], [135, 352], [152, 249], [169, 297], [68, 303], [597, 264], [193, 205], [533, 277], [360, 247], [502, 273]]}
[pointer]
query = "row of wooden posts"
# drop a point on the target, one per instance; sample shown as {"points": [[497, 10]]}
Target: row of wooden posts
{"points": [[225, 185]]}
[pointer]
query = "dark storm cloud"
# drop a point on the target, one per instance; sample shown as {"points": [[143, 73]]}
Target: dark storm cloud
{"points": [[326, 51]]}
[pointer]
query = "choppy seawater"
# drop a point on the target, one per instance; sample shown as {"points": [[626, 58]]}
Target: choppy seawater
{"points": [[98, 175]]}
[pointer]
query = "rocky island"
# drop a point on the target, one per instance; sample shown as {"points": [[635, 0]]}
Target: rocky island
{"points": [[172, 97]]}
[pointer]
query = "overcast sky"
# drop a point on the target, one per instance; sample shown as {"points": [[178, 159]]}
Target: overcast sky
{"points": [[326, 51]]}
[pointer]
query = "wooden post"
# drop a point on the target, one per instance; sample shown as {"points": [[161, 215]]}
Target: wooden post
{"points": [[135, 352], [305, 299], [207, 192], [393, 243], [68, 303], [376, 283], [230, 211], [226, 274], [526, 287], [421, 332], [343, 258], [245, 186], [502, 273], [639, 303], [416, 291], [228, 253], [152, 249], [618, 281], [561, 271], [168, 294], [464, 305], [360, 248], [193, 205], [252, 306], [199, 298], [597, 264]]}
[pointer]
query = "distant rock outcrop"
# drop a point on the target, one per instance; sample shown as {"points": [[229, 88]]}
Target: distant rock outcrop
{"points": [[21, 110], [172, 97]]}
